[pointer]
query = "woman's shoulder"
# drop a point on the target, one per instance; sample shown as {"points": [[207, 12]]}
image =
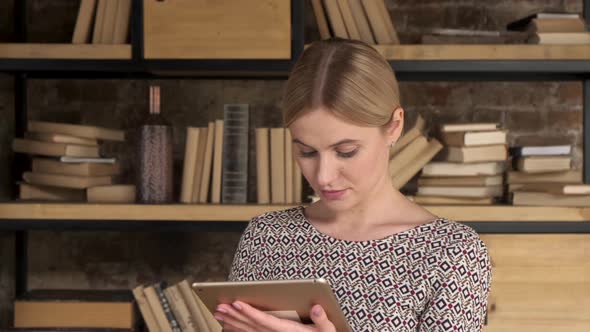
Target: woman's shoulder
{"points": [[451, 235], [278, 218]]}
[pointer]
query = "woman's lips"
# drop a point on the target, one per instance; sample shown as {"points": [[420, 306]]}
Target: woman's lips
{"points": [[333, 194]]}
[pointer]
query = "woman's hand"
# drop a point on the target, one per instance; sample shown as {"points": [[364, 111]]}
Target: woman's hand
{"points": [[241, 317]]}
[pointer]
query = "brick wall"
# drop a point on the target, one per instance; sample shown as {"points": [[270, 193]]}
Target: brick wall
{"points": [[114, 260]]}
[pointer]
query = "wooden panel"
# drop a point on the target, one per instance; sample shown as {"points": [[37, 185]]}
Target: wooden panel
{"points": [[217, 29], [509, 213], [64, 51], [539, 282]]}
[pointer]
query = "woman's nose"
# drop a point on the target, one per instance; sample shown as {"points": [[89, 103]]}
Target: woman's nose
{"points": [[327, 172]]}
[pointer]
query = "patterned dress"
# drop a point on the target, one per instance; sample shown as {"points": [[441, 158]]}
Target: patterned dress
{"points": [[433, 277]]}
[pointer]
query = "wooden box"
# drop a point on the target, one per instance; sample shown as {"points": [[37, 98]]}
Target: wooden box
{"points": [[217, 29]]}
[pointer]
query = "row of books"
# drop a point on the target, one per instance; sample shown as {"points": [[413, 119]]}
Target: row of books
{"points": [[366, 20], [102, 22], [67, 165], [216, 162]]}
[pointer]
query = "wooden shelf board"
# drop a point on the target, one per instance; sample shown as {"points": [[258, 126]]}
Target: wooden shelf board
{"points": [[65, 51], [236, 213], [484, 52]]}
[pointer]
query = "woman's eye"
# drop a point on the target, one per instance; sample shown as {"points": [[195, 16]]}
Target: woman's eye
{"points": [[307, 154], [349, 154]]}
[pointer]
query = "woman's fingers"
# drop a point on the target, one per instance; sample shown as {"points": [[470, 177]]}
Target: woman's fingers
{"points": [[320, 319], [233, 319]]}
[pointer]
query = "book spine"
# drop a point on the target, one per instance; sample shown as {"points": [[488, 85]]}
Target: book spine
{"points": [[167, 309], [234, 182]]}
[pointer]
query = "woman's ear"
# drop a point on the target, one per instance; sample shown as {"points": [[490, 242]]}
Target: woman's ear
{"points": [[395, 126]]}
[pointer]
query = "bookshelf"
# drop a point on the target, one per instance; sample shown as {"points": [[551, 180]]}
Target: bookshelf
{"points": [[65, 51]]}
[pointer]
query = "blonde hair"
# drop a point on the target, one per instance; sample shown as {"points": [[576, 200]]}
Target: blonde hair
{"points": [[348, 77]]}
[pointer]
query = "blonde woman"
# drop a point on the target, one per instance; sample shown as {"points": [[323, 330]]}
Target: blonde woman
{"points": [[392, 264]]}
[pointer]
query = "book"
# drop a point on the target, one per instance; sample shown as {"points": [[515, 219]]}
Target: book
{"points": [[262, 166], [459, 127], [455, 169], [51, 166], [200, 164], [277, 165], [456, 191], [474, 154], [401, 178], [407, 154], [549, 150], [556, 25], [552, 188], [53, 149], [117, 193], [189, 164], [144, 308], [524, 198], [46, 193], [541, 164], [388, 22], [157, 308], [217, 162], [61, 138], [189, 298], [288, 167], [441, 200], [571, 176], [159, 288], [75, 309], [207, 164], [335, 18], [66, 181], [84, 22], [95, 132], [320, 17], [462, 181], [107, 34], [122, 21], [408, 137], [180, 309], [466, 138], [99, 22], [560, 38], [361, 21], [77, 160], [234, 176], [349, 22], [522, 23], [377, 21]]}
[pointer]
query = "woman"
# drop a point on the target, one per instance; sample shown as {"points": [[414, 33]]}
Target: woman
{"points": [[392, 264]]}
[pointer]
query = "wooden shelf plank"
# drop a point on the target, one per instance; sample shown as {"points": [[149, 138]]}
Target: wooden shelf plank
{"points": [[65, 51], [231, 213], [484, 52]]}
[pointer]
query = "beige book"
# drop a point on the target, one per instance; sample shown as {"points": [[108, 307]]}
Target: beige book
{"points": [[277, 165], [297, 185], [571, 176], [288, 167], [455, 169], [455, 127], [320, 18], [212, 323], [349, 22], [60, 138], [189, 298], [122, 22], [207, 163], [552, 188], [180, 309], [107, 35], [116, 193], [262, 166], [557, 25], [408, 137], [405, 156], [189, 164], [361, 21], [50, 166], [144, 308], [200, 164], [335, 18], [441, 200], [541, 164], [84, 22], [46, 193], [560, 38], [544, 199], [464, 181], [217, 163], [77, 130], [53, 149], [462, 138], [377, 22], [66, 181], [388, 22], [475, 154], [99, 21], [456, 191], [158, 310], [401, 178]]}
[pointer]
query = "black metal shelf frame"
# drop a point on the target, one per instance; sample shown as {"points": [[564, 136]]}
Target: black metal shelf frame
{"points": [[140, 68]]}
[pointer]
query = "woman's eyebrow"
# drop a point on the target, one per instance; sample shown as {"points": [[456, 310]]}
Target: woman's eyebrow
{"points": [[344, 141]]}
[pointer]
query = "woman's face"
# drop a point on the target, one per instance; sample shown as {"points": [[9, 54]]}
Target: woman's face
{"points": [[343, 162]]}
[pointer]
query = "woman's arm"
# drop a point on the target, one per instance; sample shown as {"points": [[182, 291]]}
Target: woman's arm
{"points": [[461, 296]]}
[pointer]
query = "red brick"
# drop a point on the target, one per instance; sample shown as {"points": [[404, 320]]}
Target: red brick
{"points": [[564, 120], [532, 121], [570, 93]]}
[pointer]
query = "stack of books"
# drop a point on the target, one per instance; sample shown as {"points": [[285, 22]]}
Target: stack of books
{"points": [[102, 22], [174, 309], [469, 171], [543, 176], [67, 165], [366, 20], [553, 28]]}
